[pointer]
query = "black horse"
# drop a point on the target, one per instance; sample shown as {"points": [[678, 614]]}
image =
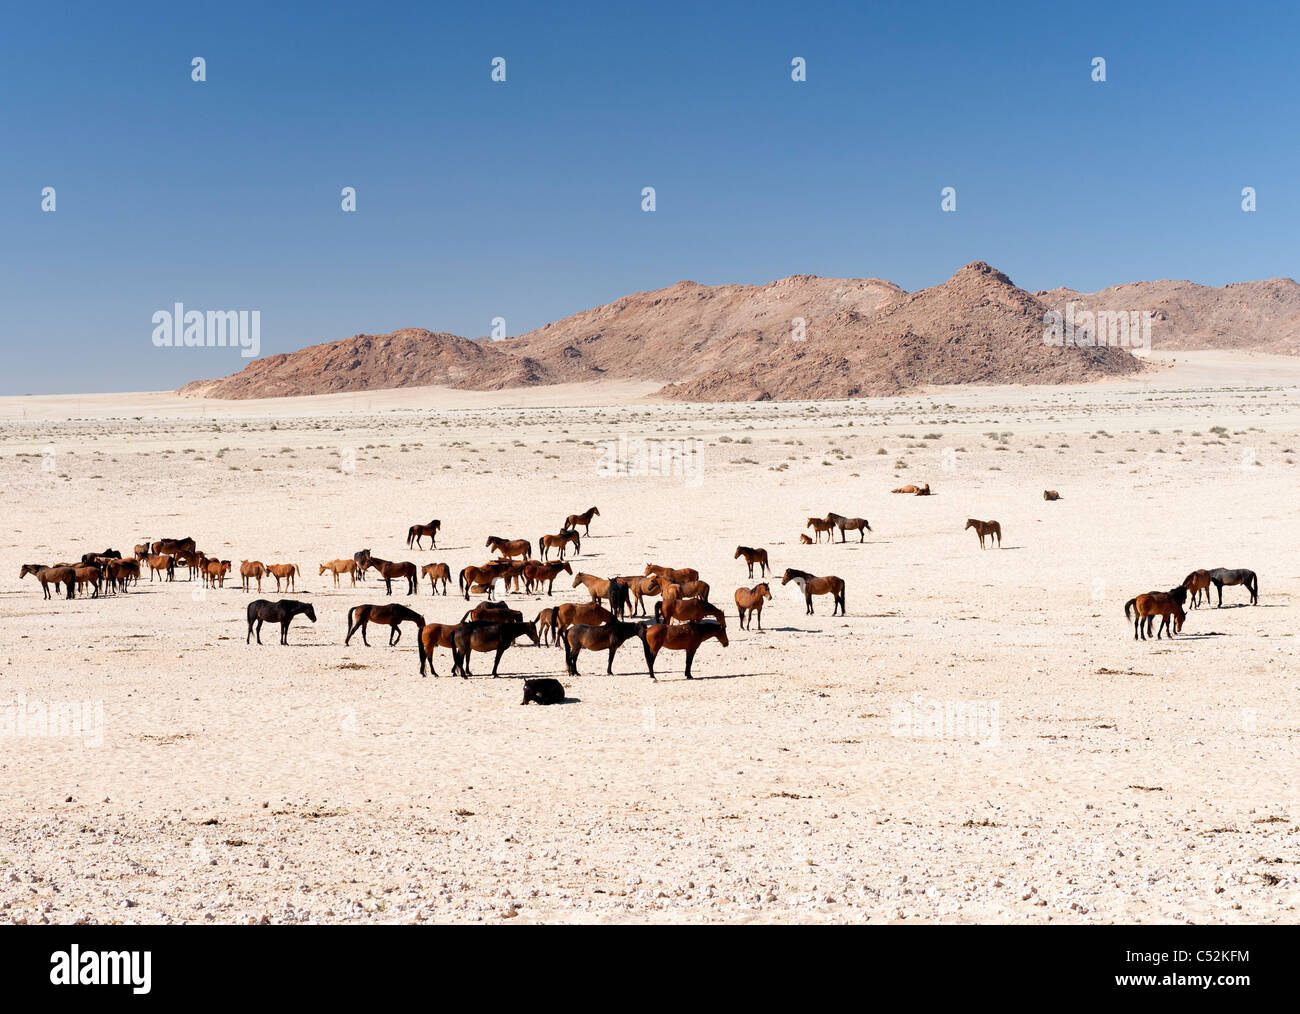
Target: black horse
{"points": [[1220, 576], [620, 596], [265, 611]]}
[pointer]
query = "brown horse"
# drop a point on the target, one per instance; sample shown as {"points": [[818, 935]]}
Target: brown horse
{"points": [[1051, 494], [55, 576], [749, 601], [1198, 582], [436, 572], [538, 574], [337, 567], [404, 569], [393, 614], [122, 572], [161, 564], [584, 519], [805, 541], [914, 490], [982, 528], [191, 560], [509, 548], [689, 590], [606, 637], [753, 556], [685, 637], [214, 572], [89, 577], [548, 542], [641, 587], [285, 572], [434, 635], [417, 532], [1151, 605], [858, 525], [687, 611], [569, 613], [812, 585], [485, 576], [497, 612], [597, 587], [820, 526], [173, 545], [250, 570], [545, 623], [679, 576], [472, 637]]}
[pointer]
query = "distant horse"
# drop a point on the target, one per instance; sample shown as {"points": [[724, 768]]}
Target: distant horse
{"points": [[389, 570], [1051, 494], [285, 572], [337, 567], [436, 572], [1198, 582], [805, 541], [584, 519], [685, 637], [509, 548], [548, 542], [812, 585], [913, 490], [750, 601], [1151, 605], [264, 611], [983, 528], [471, 637], [538, 574], [1220, 577], [753, 556], [361, 558], [393, 614], [417, 532], [55, 576], [821, 526], [250, 570], [858, 525], [606, 637]]}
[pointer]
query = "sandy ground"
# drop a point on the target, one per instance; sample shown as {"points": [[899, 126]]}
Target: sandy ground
{"points": [[1072, 774]]}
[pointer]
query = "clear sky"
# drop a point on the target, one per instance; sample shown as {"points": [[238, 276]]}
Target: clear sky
{"points": [[522, 199]]}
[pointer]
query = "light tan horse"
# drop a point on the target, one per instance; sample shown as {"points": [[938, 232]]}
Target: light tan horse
{"points": [[749, 602], [436, 572], [642, 587], [679, 575], [285, 572], [597, 587], [337, 567], [914, 490], [250, 570], [982, 528]]}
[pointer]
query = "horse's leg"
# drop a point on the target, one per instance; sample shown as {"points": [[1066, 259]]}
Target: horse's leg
{"points": [[759, 611], [365, 625], [501, 650], [259, 630], [1137, 622], [609, 669], [250, 632], [649, 659], [690, 654], [284, 629]]}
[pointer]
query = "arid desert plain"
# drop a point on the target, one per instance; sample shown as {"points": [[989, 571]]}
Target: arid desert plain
{"points": [[979, 739]]}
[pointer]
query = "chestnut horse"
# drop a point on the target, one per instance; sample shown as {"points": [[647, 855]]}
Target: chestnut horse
{"points": [[982, 528], [538, 574], [436, 572], [749, 601], [804, 540], [679, 576], [509, 548], [584, 519], [285, 572], [214, 572], [389, 570], [685, 637], [337, 567], [250, 570], [161, 564], [1151, 605], [812, 585], [417, 532], [569, 613], [472, 637], [753, 556], [914, 490], [606, 637], [820, 525], [393, 614], [641, 587], [264, 611], [47, 576], [598, 587], [687, 611], [497, 612], [548, 542], [1196, 582], [434, 635], [485, 576]]}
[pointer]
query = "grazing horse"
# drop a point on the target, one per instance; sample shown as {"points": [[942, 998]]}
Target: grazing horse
{"points": [[641, 588], [161, 564], [417, 532], [538, 574], [393, 614], [820, 526], [679, 576], [569, 613], [337, 567], [584, 519], [250, 570], [485, 576], [434, 635], [685, 637], [749, 601], [1198, 582], [548, 542], [265, 611], [389, 570], [509, 548], [284, 572], [983, 528], [858, 525], [1051, 494], [1219, 576], [51, 576], [1151, 605], [914, 490], [497, 612], [436, 572], [753, 556], [812, 585], [687, 611], [472, 637], [606, 637]]}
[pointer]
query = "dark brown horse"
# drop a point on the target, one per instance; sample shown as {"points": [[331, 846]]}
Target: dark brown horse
{"points": [[753, 556], [55, 576], [584, 519], [389, 570], [497, 612], [606, 637], [982, 528], [264, 611], [417, 532], [685, 637], [391, 614], [812, 585], [472, 637]]}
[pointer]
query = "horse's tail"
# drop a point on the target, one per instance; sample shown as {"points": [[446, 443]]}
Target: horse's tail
{"points": [[1129, 605], [462, 579], [350, 612], [410, 536]]}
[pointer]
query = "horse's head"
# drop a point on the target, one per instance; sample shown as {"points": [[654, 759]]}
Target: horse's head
{"points": [[1179, 616], [720, 632], [323, 568], [739, 550], [649, 569], [530, 628], [490, 540], [970, 523], [309, 611], [787, 577], [565, 566], [764, 591], [577, 578]]}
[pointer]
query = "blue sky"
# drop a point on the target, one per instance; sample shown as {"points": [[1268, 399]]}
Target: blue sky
{"points": [[523, 200]]}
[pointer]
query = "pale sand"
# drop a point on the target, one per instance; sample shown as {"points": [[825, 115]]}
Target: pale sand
{"points": [[1126, 781]]}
